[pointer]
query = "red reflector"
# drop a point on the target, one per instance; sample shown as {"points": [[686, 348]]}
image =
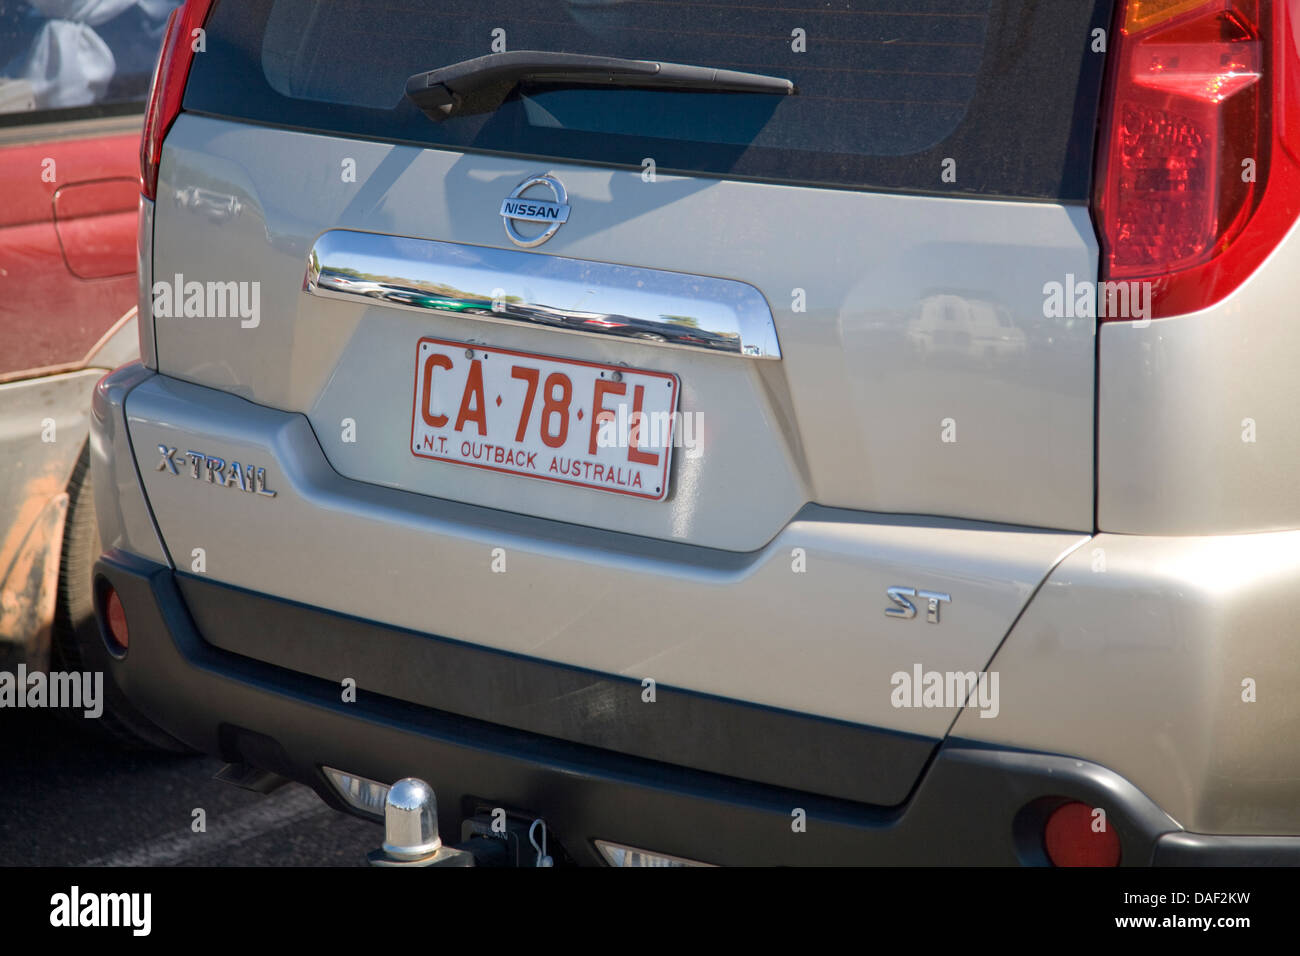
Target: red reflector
{"points": [[168, 89], [115, 620], [1074, 836]]}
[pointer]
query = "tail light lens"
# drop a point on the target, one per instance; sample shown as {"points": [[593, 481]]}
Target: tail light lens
{"points": [[1199, 174], [168, 88]]}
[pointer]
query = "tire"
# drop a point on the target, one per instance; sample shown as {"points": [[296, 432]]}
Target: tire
{"points": [[76, 643]]}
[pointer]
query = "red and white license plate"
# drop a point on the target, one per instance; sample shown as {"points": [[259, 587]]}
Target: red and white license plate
{"points": [[579, 423]]}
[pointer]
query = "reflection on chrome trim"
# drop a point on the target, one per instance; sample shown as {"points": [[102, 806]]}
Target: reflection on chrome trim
{"points": [[570, 295]]}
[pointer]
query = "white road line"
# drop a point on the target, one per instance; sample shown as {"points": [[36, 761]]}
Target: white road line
{"points": [[287, 805]]}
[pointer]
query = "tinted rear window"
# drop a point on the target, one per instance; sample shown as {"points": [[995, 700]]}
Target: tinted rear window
{"points": [[889, 90]]}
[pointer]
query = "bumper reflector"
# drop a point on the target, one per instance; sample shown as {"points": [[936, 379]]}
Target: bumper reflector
{"points": [[368, 796], [618, 855], [119, 636], [1079, 835]]}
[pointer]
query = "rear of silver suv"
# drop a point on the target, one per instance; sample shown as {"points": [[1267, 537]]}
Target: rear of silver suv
{"points": [[809, 436]]}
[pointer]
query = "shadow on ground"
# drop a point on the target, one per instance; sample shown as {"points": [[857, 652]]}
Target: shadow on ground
{"points": [[69, 798]]}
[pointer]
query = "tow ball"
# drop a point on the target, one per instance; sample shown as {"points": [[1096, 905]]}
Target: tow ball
{"points": [[411, 835]]}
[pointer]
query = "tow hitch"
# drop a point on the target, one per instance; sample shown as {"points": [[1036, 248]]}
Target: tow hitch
{"points": [[411, 835]]}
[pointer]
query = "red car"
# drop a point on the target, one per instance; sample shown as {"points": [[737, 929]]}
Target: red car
{"points": [[73, 85]]}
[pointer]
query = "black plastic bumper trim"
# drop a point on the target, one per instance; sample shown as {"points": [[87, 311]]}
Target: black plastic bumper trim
{"points": [[1203, 849], [700, 731]]}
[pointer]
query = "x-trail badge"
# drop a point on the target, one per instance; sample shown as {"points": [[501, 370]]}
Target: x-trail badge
{"points": [[520, 208]]}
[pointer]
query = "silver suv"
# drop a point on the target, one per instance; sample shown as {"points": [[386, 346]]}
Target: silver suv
{"points": [[767, 435]]}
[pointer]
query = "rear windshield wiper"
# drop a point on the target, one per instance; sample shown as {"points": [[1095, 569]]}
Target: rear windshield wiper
{"points": [[480, 85]]}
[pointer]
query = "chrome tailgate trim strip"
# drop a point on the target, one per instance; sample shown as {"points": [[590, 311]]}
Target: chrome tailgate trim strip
{"points": [[648, 306]]}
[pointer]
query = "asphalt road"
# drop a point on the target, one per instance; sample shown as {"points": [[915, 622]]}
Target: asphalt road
{"points": [[68, 799]]}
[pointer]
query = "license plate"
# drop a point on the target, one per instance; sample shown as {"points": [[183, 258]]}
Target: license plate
{"points": [[605, 427]]}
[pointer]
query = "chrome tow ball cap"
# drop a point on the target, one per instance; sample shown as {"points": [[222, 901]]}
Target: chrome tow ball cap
{"points": [[411, 829], [411, 820]]}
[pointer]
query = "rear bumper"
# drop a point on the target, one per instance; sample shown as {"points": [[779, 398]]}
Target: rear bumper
{"points": [[973, 805], [716, 776]]}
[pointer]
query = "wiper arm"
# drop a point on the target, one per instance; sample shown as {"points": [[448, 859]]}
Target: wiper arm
{"points": [[481, 84]]}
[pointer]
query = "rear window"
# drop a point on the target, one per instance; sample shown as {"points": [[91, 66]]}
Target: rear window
{"points": [[988, 97]]}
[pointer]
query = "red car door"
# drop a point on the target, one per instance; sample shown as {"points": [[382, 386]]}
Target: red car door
{"points": [[73, 80], [67, 240]]}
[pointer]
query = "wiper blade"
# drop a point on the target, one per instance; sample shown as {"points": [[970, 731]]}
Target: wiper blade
{"points": [[481, 84]]}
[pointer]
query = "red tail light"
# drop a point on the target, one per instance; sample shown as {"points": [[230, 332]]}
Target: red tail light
{"points": [[1199, 169], [168, 88]]}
